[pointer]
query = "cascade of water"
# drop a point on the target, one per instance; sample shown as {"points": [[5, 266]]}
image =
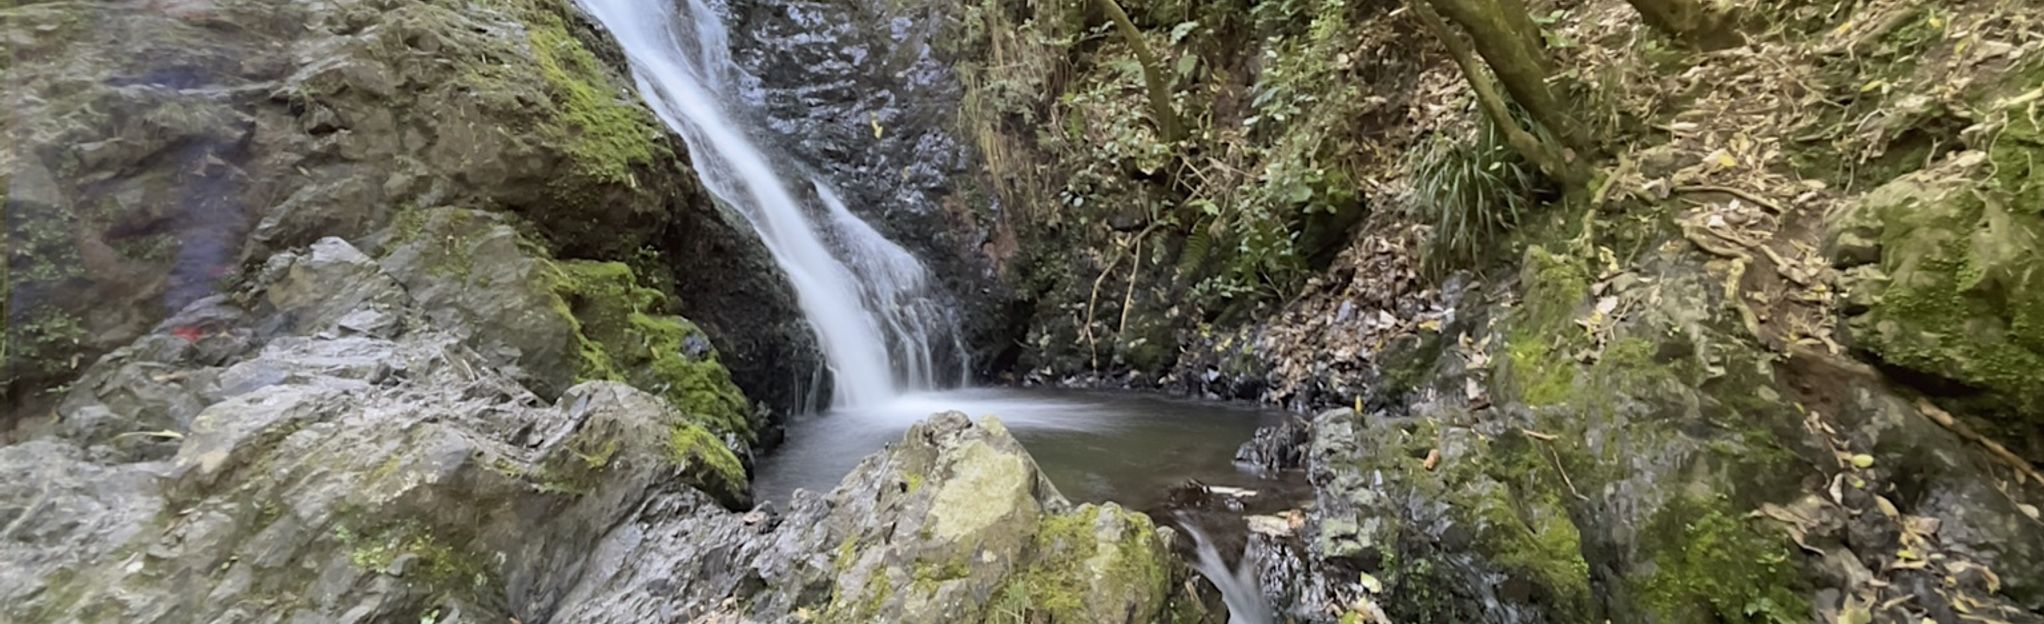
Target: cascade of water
{"points": [[869, 301], [1239, 588]]}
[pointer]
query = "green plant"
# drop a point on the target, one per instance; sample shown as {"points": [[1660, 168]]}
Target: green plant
{"points": [[1471, 191]]}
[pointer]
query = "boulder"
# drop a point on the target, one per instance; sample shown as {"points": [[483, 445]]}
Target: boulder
{"points": [[318, 448], [1949, 284]]}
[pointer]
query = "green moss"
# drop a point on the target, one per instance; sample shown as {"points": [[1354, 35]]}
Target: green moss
{"points": [[1964, 298], [441, 564], [1510, 492], [589, 114], [1542, 331], [706, 461], [607, 135], [621, 336], [1710, 565], [928, 575], [1074, 571]]}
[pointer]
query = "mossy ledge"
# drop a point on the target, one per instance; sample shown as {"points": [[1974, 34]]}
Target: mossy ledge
{"points": [[616, 330]]}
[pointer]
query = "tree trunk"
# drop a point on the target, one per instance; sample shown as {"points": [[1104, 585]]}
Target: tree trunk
{"points": [[1688, 20], [1541, 154], [1509, 42], [1161, 111]]}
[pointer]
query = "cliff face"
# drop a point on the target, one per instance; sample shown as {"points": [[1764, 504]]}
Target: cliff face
{"points": [[155, 150]]}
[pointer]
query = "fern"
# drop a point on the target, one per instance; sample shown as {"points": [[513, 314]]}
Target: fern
{"points": [[1196, 254]]}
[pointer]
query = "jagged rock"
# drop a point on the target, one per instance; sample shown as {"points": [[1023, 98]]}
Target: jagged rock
{"points": [[1276, 448], [295, 471]]}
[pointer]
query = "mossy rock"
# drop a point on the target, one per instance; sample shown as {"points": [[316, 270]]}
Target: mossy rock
{"points": [[1543, 334], [1956, 299], [567, 321], [621, 334], [1712, 564], [1097, 563]]}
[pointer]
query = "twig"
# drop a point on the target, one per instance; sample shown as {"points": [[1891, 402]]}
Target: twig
{"points": [[1558, 468], [2000, 452], [1135, 266], [1735, 192]]}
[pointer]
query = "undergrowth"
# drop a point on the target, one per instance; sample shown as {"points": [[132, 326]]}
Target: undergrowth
{"points": [[1471, 191]]}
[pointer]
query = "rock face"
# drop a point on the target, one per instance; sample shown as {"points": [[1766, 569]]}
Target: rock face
{"points": [[157, 149], [351, 439], [319, 448], [862, 92], [1947, 283]]}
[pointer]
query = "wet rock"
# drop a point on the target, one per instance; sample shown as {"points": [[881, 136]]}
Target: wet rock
{"points": [[1276, 448], [863, 92]]}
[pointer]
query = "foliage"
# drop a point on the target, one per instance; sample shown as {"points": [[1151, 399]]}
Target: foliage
{"points": [[1471, 191]]}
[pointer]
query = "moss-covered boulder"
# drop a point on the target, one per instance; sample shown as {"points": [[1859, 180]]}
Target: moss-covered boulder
{"points": [[977, 533], [1948, 282], [559, 322]]}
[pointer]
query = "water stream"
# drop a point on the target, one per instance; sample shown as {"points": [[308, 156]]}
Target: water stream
{"points": [[870, 303], [889, 339]]}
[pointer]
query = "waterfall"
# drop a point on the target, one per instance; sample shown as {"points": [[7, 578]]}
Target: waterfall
{"points": [[868, 300], [1238, 586]]}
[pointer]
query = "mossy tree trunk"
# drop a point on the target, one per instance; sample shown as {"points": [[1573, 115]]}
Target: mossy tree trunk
{"points": [[1161, 111], [1688, 20], [1508, 40], [1542, 154]]}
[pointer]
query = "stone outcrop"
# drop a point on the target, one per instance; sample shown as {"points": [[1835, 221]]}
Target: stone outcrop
{"points": [[1946, 283], [351, 438], [320, 446], [154, 151], [953, 524]]}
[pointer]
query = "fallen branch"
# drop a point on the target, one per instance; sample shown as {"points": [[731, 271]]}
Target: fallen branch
{"points": [[1735, 192]]}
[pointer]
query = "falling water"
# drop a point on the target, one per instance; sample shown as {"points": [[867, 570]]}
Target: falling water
{"points": [[1238, 586], [867, 299]]}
